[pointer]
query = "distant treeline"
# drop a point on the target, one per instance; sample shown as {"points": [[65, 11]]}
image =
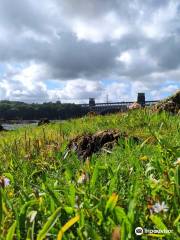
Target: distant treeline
{"points": [[13, 110]]}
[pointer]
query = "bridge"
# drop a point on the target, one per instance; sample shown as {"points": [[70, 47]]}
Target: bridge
{"points": [[112, 107]]}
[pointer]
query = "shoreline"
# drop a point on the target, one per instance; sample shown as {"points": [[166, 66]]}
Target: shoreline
{"points": [[18, 121]]}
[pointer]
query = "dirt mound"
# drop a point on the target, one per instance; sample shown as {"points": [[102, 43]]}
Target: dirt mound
{"points": [[171, 104], [86, 145]]}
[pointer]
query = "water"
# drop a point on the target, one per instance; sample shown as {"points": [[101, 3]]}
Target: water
{"points": [[13, 126], [17, 125]]}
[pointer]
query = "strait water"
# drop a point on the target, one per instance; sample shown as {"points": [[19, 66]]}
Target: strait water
{"points": [[15, 125]]}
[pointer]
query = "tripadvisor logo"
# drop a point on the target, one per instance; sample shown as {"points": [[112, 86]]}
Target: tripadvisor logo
{"points": [[139, 231]]}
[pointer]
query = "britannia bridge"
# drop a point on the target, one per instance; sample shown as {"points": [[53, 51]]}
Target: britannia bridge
{"points": [[112, 107]]}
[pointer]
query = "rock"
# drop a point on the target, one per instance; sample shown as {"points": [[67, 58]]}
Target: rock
{"points": [[86, 145], [2, 128], [171, 104], [43, 121]]}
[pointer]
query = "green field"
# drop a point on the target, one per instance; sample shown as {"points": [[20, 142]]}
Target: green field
{"points": [[104, 197]]}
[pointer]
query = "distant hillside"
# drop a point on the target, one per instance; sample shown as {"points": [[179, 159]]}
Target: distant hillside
{"points": [[14, 110]]}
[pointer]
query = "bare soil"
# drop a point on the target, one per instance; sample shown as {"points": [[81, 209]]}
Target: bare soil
{"points": [[87, 144]]}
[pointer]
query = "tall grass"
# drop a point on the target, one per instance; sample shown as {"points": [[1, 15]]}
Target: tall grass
{"points": [[45, 200]]}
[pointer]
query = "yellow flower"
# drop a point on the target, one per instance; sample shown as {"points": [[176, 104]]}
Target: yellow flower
{"points": [[11, 194], [144, 158], [111, 203], [40, 199]]}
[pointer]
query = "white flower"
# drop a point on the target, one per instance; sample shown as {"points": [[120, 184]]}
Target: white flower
{"points": [[157, 207], [6, 182], [177, 161]]}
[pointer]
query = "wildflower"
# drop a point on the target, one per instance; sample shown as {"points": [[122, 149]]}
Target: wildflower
{"points": [[83, 178], [4, 182], [144, 158], [111, 203], [157, 207], [177, 161], [10, 194]]}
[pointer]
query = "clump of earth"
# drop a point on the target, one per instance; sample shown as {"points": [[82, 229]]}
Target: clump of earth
{"points": [[87, 144], [171, 104]]}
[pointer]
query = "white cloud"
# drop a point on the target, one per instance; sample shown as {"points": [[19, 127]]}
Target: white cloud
{"points": [[78, 90], [162, 22], [81, 43], [125, 57], [164, 91], [108, 27], [31, 75], [24, 83]]}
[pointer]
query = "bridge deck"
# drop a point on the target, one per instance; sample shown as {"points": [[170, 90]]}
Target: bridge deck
{"points": [[116, 104]]}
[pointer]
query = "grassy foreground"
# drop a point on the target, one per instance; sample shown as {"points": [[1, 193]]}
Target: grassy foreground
{"points": [[105, 197]]}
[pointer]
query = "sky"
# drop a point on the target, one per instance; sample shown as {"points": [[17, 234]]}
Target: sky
{"points": [[70, 50]]}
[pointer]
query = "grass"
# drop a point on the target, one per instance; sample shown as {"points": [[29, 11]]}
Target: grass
{"points": [[46, 200]]}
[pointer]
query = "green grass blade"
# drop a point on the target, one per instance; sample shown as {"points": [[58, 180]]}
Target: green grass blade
{"points": [[1, 210], [11, 231], [94, 176], [158, 222], [49, 224]]}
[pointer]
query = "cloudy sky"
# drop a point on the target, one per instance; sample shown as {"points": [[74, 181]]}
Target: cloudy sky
{"points": [[71, 50]]}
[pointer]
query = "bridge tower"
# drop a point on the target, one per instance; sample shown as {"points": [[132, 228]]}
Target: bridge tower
{"points": [[141, 99], [92, 102]]}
